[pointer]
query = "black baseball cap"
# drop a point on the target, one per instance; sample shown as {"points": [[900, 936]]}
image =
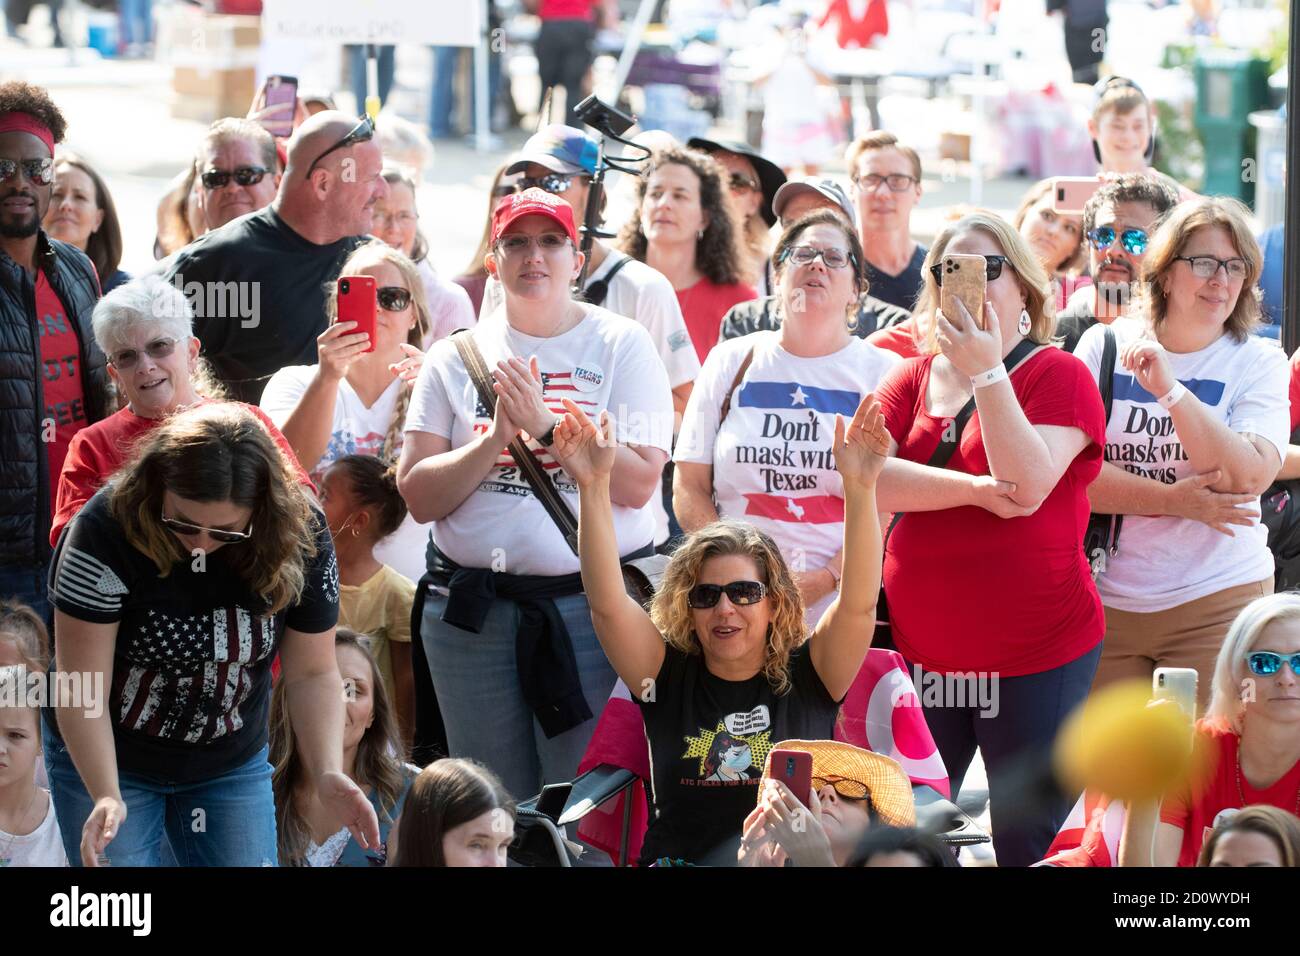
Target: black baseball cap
{"points": [[770, 177]]}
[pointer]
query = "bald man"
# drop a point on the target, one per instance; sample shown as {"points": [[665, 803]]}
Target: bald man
{"points": [[257, 284]]}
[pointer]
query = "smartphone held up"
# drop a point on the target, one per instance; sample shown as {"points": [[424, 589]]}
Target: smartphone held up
{"points": [[358, 302], [964, 279]]}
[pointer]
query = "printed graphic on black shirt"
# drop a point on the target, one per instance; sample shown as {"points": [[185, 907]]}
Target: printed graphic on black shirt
{"points": [[733, 752]]}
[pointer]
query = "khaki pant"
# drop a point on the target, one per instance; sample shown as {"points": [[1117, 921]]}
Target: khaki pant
{"points": [[1188, 635]]}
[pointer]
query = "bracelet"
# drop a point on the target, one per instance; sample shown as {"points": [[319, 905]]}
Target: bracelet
{"points": [[1171, 398], [994, 375]]}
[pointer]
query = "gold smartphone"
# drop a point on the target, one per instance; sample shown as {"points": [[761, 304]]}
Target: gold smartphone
{"points": [[964, 278]]}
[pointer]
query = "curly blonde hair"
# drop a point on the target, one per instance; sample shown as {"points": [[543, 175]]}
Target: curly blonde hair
{"points": [[672, 615]]}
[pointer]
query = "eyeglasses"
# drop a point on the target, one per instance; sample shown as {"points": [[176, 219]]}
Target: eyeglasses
{"points": [[547, 242], [551, 183], [807, 255], [992, 269], [739, 182], [215, 179], [844, 787], [1268, 663], [738, 592], [381, 219], [1134, 241], [216, 534], [393, 298], [897, 182], [39, 171], [127, 358], [363, 132], [1204, 267]]}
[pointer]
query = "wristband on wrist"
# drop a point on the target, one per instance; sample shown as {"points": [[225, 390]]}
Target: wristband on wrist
{"points": [[548, 439], [991, 377], [1172, 397]]}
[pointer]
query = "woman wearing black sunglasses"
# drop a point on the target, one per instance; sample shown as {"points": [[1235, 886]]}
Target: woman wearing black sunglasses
{"points": [[1248, 744], [724, 648], [353, 402], [1197, 400], [174, 589]]}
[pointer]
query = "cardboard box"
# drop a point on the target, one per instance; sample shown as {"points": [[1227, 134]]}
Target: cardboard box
{"points": [[206, 95]]}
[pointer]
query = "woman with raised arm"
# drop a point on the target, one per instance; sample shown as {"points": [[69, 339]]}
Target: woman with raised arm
{"points": [[724, 651]]}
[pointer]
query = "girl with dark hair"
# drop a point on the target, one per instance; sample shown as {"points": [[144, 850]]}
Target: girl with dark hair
{"points": [[177, 584], [457, 814], [82, 213], [363, 507], [307, 831], [685, 226], [899, 846]]}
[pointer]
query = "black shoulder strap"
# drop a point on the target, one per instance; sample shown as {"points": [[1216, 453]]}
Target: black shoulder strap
{"points": [[735, 384], [1106, 375], [598, 290], [529, 467]]}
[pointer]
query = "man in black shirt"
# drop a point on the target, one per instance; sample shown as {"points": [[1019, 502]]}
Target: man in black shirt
{"points": [[793, 201], [258, 283], [1117, 222], [887, 186]]}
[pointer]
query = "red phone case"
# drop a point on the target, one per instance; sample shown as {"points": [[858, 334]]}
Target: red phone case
{"points": [[357, 303], [794, 769]]}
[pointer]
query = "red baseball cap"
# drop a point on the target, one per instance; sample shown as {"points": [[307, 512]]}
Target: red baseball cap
{"points": [[533, 202]]}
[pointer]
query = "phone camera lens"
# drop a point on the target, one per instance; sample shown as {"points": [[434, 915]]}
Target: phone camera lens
{"points": [[343, 287]]}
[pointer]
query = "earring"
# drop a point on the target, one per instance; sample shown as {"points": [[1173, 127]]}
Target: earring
{"points": [[700, 234], [1025, 324]]}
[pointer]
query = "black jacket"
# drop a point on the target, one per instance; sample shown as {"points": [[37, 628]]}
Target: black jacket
{"points": [[25, 504], [761, 315]]}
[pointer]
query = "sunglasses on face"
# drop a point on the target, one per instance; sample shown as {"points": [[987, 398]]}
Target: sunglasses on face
{"points": [[363, 132], [807, 255], [39, 171], [215, 179], [1204, 267], [127, 358], [216, 534], [551, 183], [844, 787], [547, 242], [1133, 241], [739, 182], [738, 592], [992, 269], [393, 298], [1268, 663]]}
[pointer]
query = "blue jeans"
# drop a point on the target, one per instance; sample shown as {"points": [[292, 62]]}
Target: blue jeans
{"points": [[31, 586], [136, 18], [483, 705], [226, 821], [385, 57], [445, 61], [1025, 808]]}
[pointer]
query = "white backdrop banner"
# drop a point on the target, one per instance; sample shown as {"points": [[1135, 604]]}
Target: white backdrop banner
{"points": [[436, 22]]}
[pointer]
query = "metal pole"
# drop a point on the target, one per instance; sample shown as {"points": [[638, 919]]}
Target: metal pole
{"points": [[1291, 229], [482, 108], [630, 48]]}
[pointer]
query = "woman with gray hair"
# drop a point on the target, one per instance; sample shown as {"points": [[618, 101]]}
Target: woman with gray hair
{"points": [[146, 329]]}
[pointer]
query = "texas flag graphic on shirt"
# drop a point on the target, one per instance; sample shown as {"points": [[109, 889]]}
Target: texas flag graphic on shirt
{"points": [[790, 413]]}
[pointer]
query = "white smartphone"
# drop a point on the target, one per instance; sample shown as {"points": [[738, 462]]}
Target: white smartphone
{"points": [[1176, 684]]}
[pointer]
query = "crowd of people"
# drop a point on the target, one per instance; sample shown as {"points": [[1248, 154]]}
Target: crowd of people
{"points": [[352, 591]]}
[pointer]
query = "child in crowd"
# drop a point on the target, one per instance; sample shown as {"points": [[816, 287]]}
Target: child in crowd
{"points": [[24, 641], [457, 814], [29, 831], [362, 505], [306, 831]]}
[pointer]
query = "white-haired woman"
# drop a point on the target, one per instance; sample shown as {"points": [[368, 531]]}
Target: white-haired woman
{"points": [[1248, 743], [985, 572], [145, 328]]}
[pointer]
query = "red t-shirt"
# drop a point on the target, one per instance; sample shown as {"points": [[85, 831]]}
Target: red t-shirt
{"points": [[900, 338], [1294, 390], [65, 400], [969, 591], [98, 451], [1214, 788], [703, 306], [565, 9]]}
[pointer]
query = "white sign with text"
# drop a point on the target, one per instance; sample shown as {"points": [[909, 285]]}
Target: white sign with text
{"points": [[436, 22]]}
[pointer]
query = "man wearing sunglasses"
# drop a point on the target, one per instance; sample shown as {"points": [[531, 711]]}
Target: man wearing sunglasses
{"points": [[1118, 222], [237, 169], [53, 375], [257, 284]]}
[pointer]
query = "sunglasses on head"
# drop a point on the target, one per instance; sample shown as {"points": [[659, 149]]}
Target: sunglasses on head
{"points": [[551, 183], [738, 592], [393, 298], [216, 534], [363, 132], [39, 171], [1268, 663], [243, 176], [992, 269], [127, 358], [1134, 241]]}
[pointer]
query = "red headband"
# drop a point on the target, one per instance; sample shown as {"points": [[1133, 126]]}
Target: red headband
{"points": [[27, 123]]}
